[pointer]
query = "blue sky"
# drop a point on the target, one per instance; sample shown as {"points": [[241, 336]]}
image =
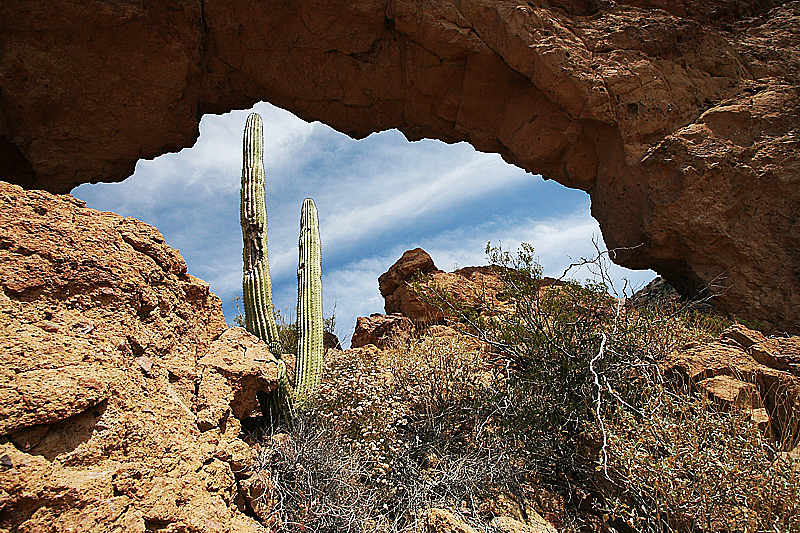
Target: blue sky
{"points": [[376, 197]]}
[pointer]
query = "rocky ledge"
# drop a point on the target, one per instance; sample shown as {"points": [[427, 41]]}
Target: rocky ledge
{"points": [[121, 390]]}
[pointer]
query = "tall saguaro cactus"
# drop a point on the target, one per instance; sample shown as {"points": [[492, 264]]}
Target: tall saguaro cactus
{"points": [[256, 283], [309, 302]]}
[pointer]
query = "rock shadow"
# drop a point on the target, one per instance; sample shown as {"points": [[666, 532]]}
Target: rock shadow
{"points": [[62, 437]]}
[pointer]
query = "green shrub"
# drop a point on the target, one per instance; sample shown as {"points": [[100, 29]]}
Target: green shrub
{"points": [[561, 392]]}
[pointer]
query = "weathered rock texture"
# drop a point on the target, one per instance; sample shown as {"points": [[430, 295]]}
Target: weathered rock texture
{"points": [[680, 119], [744, 369], [415, 289], [108, 364], [383, 331]]}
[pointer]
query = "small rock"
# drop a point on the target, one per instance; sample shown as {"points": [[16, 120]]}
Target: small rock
{"points": [[84, 328], [144, 363], [49, 326], [441, 521], [536, 524], [259, 492]]}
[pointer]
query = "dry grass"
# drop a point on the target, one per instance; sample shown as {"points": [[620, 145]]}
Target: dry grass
{"points": [[576, 412], [685, 466]]}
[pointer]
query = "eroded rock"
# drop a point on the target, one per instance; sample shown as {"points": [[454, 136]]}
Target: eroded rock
{"points": [[728, 371], [382, 330], [101, 334], [236, 368], [427, 296], [680, 119]]}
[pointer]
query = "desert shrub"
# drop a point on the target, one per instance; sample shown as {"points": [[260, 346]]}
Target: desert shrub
{"points": [[685, 466], [316, 483], [587, 408], [400, 428], [558, 386]]}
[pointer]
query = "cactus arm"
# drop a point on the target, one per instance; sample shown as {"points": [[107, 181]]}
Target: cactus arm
{"points": [[309, 302], [256, 282]]}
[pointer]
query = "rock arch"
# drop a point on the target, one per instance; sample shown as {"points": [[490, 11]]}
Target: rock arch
{"points": [[680, 119]]}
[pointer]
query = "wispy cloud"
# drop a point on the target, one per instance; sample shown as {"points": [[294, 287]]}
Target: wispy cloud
{"points": [[377, 197]]}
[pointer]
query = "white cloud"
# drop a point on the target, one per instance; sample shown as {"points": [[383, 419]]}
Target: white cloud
{"points": [[377, 197]]}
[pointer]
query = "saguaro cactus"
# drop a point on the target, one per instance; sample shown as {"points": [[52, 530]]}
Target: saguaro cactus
{"points": [[256, 283], [257, 286], [309, 301]]}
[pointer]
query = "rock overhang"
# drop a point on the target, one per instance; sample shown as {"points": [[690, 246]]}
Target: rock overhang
{"points": [[680, 121]]}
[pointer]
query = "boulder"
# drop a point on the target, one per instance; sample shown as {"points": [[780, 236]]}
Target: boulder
{"points": [[431, 298], [101, 336], [734, 372], [236, 368], [728, 391], [259, 493], [412, 265], [382, 331]]}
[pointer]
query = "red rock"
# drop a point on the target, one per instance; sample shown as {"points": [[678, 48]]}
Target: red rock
{"points": [[99, 371], [732, 376], [236, 368], [412, 264], [729, 392], [476, 288], [678, 118], [382, 331]]}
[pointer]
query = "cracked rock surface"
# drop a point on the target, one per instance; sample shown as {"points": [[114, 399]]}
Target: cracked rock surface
{"points": [[111, 359], [680, 119]]}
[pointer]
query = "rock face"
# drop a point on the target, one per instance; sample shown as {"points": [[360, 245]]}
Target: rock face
{"points": [[478, 288], [382, 330], [118, 401], [680, 119], [747, 370]]}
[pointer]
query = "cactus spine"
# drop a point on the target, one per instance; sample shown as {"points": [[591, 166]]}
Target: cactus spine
{"points": [[256, 281], [309, 302]]}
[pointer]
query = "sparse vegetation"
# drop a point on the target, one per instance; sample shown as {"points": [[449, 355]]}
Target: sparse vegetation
{"points": [[551, 401]]}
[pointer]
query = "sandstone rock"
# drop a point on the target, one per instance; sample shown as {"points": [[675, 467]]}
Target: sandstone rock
{"points": [[477, 288], [760, 419], [101, 334], [730, 392], [236, 368], [259, 492], [536, 524], [441, 521], [238, 454], [732, 376], [413, 263], [382, 330], [43, 396], [678, 118], [743, 336]]}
